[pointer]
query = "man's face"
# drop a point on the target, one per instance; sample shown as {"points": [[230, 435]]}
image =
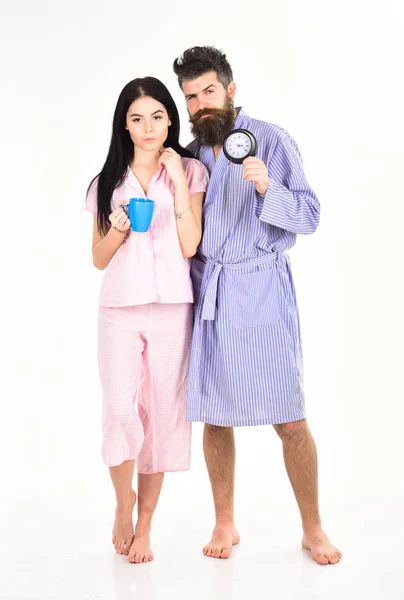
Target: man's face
{"points": [[210, 107], [205, 92]]}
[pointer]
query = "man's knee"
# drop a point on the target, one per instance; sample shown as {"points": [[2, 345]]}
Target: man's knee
{"points": [[217, 431], [293, 430]]}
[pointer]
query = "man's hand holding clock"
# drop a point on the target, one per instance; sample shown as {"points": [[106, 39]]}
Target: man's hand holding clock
{"points": [[240, 147]]}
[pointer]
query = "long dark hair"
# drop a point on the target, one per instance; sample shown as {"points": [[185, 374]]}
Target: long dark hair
{"points": [[121, 148]]}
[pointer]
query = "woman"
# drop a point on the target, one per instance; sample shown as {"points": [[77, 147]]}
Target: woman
{"points": [[145, 313]]}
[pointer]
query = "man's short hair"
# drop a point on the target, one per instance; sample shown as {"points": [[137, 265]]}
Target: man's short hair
{"points": [[198, 60]]}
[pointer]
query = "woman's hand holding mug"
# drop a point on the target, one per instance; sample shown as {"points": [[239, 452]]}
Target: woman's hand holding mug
{"points": [[120, 220]]}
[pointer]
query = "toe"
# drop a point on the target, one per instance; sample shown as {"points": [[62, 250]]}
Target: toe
{"points": [[131, 555], [321, 559], [332, 557]]}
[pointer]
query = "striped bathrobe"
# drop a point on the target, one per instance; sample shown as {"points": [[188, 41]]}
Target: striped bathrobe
{"points": [[246, 358]]}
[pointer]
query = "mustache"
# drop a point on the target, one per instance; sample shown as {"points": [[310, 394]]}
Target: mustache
{"points": [[218, 112]]}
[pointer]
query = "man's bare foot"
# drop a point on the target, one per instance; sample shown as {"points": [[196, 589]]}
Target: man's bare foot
{"points": [[122, 535], [322, 551], [224, 537], [140, 550]]}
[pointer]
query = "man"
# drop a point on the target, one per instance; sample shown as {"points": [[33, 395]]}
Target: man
{"points": [[246, 361]]}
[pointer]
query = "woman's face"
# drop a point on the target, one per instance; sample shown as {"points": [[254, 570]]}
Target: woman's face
{"points": [[147, 122]]}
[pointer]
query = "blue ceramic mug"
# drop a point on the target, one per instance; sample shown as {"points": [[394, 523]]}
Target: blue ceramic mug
{"points": [[140, 213]]}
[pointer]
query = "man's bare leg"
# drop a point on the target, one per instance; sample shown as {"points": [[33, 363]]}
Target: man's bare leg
{"points": [[149, 488], [123, 533], [299, 451], [220, 456]]}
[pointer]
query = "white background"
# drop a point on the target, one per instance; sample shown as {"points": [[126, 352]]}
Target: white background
{"points": [[329, 73]]}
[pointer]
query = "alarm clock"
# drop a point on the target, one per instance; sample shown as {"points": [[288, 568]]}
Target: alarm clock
{"points": [[238, 145]]}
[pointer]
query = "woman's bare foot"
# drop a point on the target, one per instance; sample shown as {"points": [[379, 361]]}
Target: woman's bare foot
{"points": [[224, 537], [322, 551], [123, 532], [140, 550]]}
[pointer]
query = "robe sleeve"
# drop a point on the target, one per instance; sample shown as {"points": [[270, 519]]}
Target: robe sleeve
{"points": [[289, 202]]}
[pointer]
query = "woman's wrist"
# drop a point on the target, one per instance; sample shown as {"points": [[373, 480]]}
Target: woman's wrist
{"points": [[121, 232], [178, 215]]}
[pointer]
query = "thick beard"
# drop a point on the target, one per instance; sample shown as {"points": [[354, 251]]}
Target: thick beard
{"points": [[211, 131]]}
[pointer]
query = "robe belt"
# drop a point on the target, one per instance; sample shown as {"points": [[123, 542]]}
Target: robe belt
{"points": [[210, 297]]}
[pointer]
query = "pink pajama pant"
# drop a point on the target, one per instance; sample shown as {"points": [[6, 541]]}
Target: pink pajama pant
{"points": [[143, 358]]}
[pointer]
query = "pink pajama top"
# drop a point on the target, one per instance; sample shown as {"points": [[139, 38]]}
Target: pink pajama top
{"points": [[149, 267]]}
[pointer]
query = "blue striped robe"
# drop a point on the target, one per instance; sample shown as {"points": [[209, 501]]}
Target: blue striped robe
{"points": [[246, 358]]}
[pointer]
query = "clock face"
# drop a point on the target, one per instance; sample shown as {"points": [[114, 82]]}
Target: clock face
{"points": [[238, 145]]}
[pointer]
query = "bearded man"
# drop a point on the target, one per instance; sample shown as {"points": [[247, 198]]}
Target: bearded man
{"points": [[246, 360]]}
